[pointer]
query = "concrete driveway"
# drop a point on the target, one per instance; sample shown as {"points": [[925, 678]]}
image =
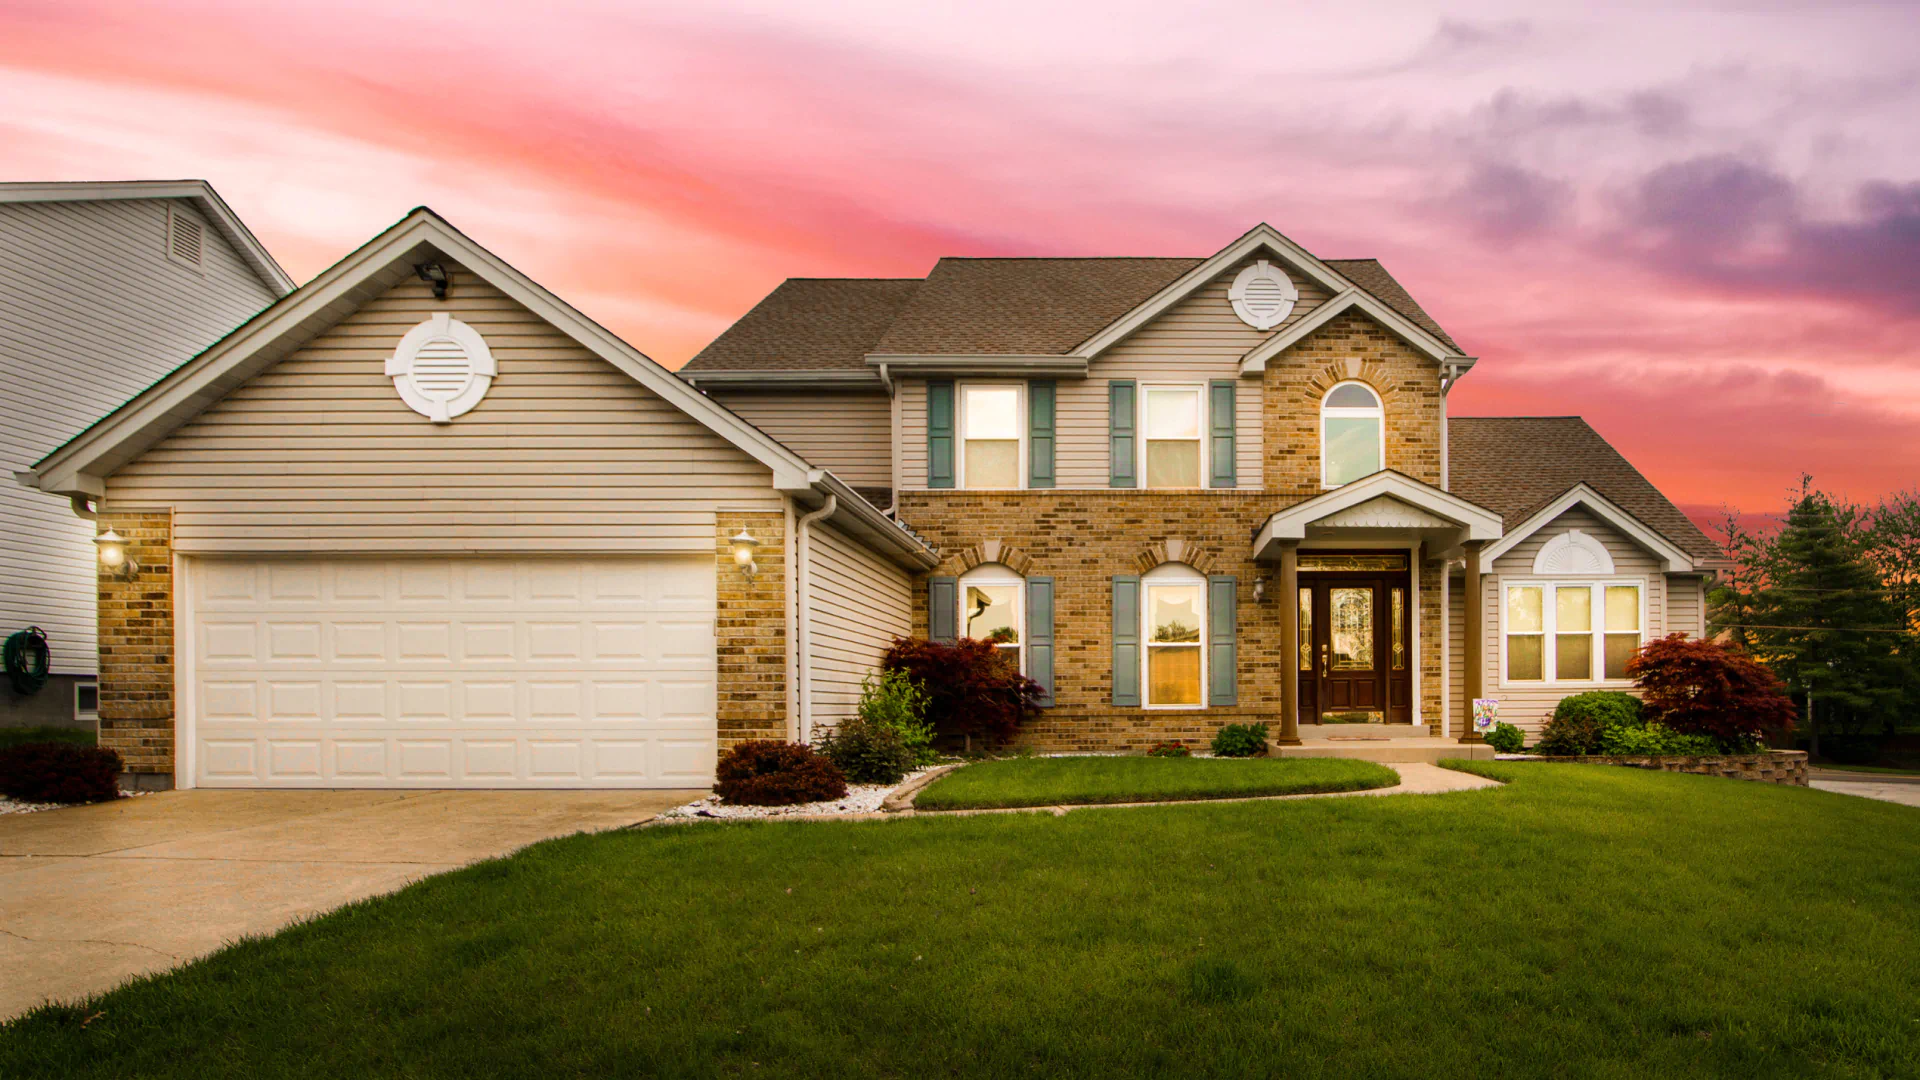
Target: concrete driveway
{"points": [[91, 896]]}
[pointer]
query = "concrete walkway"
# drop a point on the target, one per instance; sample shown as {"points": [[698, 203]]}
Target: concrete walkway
{"points": [[91, 896], [1867, 786]]}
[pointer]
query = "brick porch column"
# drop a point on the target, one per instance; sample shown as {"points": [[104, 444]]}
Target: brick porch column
{"points": [[1475, 607], [1289, 645]]}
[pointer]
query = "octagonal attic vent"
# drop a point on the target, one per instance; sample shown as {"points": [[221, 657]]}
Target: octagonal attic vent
{"points": [[442, 368], [1263, 295]]}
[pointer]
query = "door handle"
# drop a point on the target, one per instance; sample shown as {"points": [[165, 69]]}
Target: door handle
{"points": [[1323, 661]]}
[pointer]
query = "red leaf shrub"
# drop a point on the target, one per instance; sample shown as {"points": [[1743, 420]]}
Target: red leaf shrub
{"points": [[1700, 688], [772, 773], [973, 689], [59, 772]]}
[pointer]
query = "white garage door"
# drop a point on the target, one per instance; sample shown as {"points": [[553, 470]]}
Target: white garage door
{"points": [[461, 672]]}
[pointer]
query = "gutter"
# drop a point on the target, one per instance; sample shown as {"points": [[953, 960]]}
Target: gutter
{"points": [[803, 595], [979, 364], [861, 516]]}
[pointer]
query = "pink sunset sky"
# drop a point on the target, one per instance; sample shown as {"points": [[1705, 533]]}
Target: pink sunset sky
{"points": [[1697, 227]]}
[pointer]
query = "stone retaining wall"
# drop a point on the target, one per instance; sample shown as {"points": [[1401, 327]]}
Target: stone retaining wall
{"points": [[1771, 767]]}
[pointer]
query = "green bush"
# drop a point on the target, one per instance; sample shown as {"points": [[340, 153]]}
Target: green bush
{"points": [[1240, 740], [1580, 721], [893, 699], [1655, 739], [1506, 739], [866, 751], [1169, 749]]}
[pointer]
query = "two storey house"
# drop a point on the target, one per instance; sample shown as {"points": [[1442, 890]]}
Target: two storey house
{"points": [[1185, 492]]}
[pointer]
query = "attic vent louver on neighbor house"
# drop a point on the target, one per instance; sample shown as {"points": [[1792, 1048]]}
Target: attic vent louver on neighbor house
{"points": [[1263, 295], [185, 237], [442, 368]]}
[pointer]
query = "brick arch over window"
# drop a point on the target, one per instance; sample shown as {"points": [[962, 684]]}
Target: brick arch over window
{"points": [[1373, 373], [1351, 347], [996, 551], [1176, 549]]}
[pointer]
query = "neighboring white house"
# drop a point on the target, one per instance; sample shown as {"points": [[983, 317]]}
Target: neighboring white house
{"points": [[104, 288]]}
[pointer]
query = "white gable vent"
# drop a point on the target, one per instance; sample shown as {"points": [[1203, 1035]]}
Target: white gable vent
{"points": [[1573, 552], [185, 237], [1263, 295], [442, 368]]}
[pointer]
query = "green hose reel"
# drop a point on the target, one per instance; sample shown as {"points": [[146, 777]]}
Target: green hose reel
{"points": [[28, 660]]}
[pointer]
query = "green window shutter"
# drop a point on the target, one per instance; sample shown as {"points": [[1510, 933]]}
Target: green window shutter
{"points": [[1223, 649], [1220, 411], [943, 602], [1126, 639], [1040, 635], [1121, 448], [1040, 440], [939, 434]]}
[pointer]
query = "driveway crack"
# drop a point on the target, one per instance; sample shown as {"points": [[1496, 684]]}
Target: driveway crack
{"points": [[88, 941]]}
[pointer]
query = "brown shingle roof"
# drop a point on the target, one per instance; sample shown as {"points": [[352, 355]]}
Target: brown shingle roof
{"points": [[1007, 306], [1033, 306], [1516, 465], [1373, 277], [809, 324]]}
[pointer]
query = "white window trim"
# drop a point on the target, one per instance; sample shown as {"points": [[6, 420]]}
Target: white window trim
{"points": [[86, 714], [996, 574], [1378, 412], [1205, 437], [1548, 615], [1170, 574], [1022, 428]]}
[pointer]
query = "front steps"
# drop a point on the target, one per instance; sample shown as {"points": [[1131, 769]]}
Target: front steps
{"points": [[1379, 742]]}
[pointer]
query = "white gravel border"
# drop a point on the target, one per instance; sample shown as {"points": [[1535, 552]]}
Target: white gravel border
{"points": [[16, 806], [860, 799]]}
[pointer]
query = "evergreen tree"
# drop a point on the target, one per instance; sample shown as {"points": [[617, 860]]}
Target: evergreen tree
{"points": [[1821, 618]]}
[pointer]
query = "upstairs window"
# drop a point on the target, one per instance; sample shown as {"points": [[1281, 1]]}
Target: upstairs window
{"points": [[1173, 447], [990, 443], [1352, 434]]}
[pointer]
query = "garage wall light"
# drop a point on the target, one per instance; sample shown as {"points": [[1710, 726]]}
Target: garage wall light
{"points": [[743, 548], [115, 559]]}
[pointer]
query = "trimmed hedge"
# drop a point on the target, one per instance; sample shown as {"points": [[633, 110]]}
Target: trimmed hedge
{"points": [[60, 773], [767, 772]]}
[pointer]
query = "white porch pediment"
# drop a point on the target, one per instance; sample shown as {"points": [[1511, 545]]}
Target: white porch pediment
{"points": [[1385, 506]]}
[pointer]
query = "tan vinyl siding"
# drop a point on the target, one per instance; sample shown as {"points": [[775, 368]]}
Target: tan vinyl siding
{"points": [[846, 432], [91, 312], [1196, 340], [1530, 706], [859, 604], [566, 452], [1686, 601]]}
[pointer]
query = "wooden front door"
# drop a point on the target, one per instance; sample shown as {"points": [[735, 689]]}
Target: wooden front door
{"points": [[1355, 664]]}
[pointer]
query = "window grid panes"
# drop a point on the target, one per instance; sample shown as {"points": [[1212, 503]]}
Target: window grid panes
{"points": [[1173, 443], [990, 436], [1558, 638], [1175, 613]]}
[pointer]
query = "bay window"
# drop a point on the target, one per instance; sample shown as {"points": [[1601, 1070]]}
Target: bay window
{"points": [[1571, 631]]}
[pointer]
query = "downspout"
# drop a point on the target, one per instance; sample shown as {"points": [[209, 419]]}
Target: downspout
{"points": [[82, 507], [1446, 385], [803, 626]]}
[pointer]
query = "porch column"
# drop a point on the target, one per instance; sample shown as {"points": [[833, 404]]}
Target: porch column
{"points": [[1474, 604], [1289, 645]]}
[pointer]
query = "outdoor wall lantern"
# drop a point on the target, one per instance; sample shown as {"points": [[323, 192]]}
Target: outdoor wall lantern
{"points": [[743, 548], [114, 556], [1259, 589]]}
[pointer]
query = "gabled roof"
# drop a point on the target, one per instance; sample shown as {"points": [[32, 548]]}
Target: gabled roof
{"points": [[810, 324], [1520, 465], [79, 468], [198, 192], [1449, 517], [1020, 307]]}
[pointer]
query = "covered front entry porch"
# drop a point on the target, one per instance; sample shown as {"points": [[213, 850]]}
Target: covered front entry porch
{"points": [[1368, 652]]}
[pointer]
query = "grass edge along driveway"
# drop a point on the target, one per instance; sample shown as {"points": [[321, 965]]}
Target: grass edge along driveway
{"points": [[1582, 921], [1072, 781]]}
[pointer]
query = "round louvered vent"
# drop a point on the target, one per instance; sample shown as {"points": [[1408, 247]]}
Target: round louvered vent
{"points": [[442, 368], [1263, 295]]}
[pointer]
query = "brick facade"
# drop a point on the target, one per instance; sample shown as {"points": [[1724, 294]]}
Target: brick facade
{"points": [[1351, 346], [750, 628], [136, 651]]}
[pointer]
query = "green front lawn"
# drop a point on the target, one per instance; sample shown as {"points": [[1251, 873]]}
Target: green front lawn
{"points": [[21, 736], [1582, 921], [1059, 781]]}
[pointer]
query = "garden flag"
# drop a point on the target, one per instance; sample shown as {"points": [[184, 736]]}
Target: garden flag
{"points": [[1486, 713]]}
